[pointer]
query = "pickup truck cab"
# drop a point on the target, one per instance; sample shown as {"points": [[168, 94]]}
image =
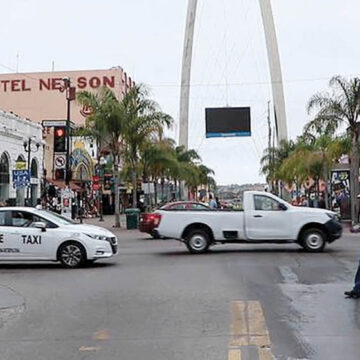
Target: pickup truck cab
{"points": [[265, 218]]}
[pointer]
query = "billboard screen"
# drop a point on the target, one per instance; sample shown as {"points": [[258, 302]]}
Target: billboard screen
{"points": [[226, 122]]}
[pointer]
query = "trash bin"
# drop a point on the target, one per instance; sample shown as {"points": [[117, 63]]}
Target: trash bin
{"points": [[132, 218]]}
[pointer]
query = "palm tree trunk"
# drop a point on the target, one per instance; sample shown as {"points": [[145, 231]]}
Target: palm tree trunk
{"points": [[134, 178], [162, 189], [116, 191], [155, 193], [354, 178], [326, 179]]}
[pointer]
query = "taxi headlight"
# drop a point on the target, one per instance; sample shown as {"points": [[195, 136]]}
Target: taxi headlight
{"points": [[97, 237], [333, 216]]}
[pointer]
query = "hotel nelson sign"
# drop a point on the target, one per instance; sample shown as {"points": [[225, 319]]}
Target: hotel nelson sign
{"points": [[54, 83]]}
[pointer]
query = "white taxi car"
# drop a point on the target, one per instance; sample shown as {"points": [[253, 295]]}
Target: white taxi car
{"points": [[29, 234]]}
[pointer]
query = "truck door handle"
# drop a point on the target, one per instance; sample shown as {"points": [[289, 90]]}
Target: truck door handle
{"points": [[257, 216]]}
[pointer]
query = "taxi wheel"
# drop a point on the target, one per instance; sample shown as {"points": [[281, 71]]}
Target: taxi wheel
{"points": [[72, 254]]}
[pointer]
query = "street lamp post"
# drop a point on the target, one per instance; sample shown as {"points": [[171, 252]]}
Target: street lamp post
{"points": [[103, 163], [27, 148]]}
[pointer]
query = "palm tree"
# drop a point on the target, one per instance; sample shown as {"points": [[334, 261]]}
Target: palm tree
{"points": [[342, 107], [272, 160], [156, 160], [143, 120], [106, 124], [186, 169]]}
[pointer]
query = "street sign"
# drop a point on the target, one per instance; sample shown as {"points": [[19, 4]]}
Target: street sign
{"points": [[66, 195], [20, 165], [60, 161], [56, 123], [21, 178]]}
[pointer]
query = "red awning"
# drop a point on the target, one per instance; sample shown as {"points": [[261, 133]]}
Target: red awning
{"points": [[61, 184]]}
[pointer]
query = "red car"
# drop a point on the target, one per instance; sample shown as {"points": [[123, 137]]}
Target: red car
{"points": [[150, 221]]}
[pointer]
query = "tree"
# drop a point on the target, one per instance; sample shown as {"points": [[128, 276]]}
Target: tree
{"points": [[143, 120], [272, 160], [106, 124], [340, 107], [156, 160]]}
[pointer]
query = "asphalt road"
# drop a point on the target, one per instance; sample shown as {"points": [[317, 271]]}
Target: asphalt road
{"points": [[156, 302]]}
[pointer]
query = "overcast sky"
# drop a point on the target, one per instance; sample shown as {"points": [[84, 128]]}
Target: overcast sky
{"points": [[317, 39]]}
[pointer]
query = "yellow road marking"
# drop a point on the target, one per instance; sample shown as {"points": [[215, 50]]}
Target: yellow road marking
{"points": [[101, 335], [258, 332], [234, 354], [248, 327], [265, 354], [239, 328]]}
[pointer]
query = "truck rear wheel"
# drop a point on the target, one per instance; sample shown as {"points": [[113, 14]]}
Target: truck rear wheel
{"points": [[313, 240], [198, 241]]}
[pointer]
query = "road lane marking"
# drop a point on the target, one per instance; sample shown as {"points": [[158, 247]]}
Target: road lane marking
{"points": [[248, 328], [234, 354], [101, 335], [265, 354], [258, 333], [89, 348], [239, 329]]}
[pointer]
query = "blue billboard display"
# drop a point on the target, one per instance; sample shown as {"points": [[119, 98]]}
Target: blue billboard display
{"points": [[228, 122]]}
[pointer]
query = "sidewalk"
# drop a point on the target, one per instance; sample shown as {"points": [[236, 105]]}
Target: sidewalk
{"points": [[108, 223]]}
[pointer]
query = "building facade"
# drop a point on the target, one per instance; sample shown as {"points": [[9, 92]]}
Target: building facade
{"points": [[18, 136], [41, 97]]}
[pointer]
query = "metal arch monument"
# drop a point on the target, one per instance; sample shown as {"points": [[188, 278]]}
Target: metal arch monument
{"points": [[274, 64]]}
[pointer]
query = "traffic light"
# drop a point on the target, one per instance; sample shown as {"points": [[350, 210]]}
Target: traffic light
{"points": [[59, 139]]}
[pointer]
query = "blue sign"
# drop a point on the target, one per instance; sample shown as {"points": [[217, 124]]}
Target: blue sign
{"points": [[21, 178]]}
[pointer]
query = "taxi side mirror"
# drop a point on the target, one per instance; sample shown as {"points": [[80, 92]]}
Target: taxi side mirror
{"points": [[40, 225], [283, 207]]}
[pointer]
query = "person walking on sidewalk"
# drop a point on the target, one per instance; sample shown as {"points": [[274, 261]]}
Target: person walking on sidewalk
{"points": [[212, 202], [355, 292]]}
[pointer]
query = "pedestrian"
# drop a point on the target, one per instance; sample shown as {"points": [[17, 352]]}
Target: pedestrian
{"points": [[212, 202], [355, 292], [322, 204], [38, 204], [305, 201], [218, 205]]}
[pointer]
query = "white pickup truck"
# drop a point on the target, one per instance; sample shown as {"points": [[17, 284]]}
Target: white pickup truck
{"points": [[265, 218]]}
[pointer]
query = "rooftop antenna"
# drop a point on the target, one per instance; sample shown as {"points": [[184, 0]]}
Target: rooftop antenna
{"points": [[53, 66]]}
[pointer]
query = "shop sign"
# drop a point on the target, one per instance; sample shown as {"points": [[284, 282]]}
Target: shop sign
{"points": [[340, 193], [66, 195]]}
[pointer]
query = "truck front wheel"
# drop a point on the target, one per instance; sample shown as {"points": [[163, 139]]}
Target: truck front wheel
{"points": [[313, 240], [198, 241]]}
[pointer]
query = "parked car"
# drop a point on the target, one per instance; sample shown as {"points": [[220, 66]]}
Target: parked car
{"points": [[265, 218], [150, 221]]}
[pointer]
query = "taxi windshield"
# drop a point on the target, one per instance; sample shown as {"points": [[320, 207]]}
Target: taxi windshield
{"points": [[60, 220]]}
